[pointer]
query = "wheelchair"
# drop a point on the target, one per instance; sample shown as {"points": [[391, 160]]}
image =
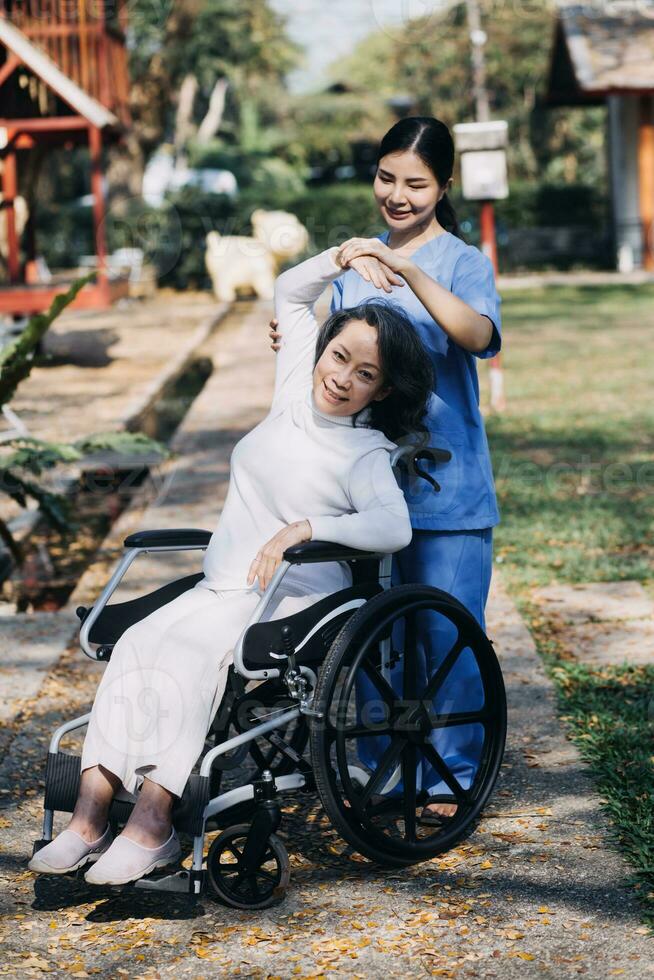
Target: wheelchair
{"points": [[298, 713]]}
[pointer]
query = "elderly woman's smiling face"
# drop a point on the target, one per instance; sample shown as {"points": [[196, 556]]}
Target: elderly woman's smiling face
{"points": [[348, 375]]}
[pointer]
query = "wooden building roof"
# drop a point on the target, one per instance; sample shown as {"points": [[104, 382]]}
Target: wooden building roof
{"points": [[45, 68], [601, 49]]}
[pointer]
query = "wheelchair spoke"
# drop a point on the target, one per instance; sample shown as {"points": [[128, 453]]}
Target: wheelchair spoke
{"points": [[254, 888], [362, 731], [388, 759], [409, 762], [410, 678], [446, 774], [444, 669], [460, 718], [379, 681]]}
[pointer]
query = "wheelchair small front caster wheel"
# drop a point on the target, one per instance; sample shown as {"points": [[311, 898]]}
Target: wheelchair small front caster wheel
{"points": [[234, 884]]}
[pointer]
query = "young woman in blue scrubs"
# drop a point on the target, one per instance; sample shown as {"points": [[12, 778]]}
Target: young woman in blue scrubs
{"points": [[447, 289]]}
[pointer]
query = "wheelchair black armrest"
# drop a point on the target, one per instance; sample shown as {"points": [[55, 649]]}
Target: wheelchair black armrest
{"points": [[314, 551], [180, 537]]}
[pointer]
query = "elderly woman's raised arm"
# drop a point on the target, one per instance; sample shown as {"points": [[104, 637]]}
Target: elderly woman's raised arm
{"points": [[296, 292]]}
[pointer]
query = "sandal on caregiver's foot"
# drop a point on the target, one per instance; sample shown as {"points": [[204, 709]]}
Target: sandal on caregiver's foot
{"points": [[436, 813], [68, 852], [127, 861]]}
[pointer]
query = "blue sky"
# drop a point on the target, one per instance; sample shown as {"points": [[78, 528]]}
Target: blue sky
{"points": [[328, 29]]}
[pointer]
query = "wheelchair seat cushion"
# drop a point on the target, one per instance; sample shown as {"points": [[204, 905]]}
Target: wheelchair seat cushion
{"points": [[313, 629]]}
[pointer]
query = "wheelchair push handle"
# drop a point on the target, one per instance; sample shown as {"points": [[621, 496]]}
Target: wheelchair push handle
{"points": [[401, 457], [435, 454]]}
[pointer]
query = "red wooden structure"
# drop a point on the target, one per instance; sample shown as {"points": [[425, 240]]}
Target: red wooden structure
{"points": [[63, 81]]}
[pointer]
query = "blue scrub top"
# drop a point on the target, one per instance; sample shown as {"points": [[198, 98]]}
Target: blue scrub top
{"points": [[467, 499]]}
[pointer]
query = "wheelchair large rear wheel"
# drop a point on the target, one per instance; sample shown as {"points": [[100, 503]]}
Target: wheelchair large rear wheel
{"points": [[413, 712]]}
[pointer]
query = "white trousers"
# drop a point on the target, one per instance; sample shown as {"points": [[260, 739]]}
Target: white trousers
{"points": [[165, 681]]}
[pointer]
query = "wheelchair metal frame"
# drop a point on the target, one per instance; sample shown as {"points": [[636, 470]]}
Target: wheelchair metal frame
{"points": [[300, 684]]}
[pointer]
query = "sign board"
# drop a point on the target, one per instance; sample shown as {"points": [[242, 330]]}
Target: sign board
{"points": [[483, 175], [483, 159]]}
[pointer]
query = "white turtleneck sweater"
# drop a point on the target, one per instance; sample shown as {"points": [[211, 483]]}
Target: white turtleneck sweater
{"points": [[300, 463]]}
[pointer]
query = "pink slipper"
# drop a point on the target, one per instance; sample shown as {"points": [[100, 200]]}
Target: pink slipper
{"points": [[68, 852], [128, 861]]}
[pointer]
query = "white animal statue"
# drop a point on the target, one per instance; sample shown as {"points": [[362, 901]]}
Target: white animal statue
{"points": [[238, 263], [281, 231]]}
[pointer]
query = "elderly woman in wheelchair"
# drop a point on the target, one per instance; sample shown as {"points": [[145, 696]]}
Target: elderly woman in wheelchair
{"points": [[294, 601]]}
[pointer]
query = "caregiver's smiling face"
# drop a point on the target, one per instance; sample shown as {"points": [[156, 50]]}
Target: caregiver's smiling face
{"points": [[348, 375], [406, 190]]}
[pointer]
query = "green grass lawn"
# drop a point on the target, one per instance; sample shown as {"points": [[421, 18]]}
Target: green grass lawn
{"points": [[574, 464]]}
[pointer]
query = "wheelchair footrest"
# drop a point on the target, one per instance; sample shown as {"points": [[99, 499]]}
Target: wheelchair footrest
{"points": [[184, 882]]}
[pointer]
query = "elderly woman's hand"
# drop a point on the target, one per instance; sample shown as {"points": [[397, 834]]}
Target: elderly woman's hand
{"points": [[372, 268], [270, 556]]}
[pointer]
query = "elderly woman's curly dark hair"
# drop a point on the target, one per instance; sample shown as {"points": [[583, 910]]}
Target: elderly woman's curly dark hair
{"points": [[405, 365]]}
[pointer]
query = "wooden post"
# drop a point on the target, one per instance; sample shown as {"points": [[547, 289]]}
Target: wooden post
{"points": [[487, 232], [646, 177], [489, 248], [9, 192], [99, 214]]}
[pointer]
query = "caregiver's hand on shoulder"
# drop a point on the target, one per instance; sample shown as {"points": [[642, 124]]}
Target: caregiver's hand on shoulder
{"points": [[375, 272], [270, 556], [274, 336], [354, 248]]}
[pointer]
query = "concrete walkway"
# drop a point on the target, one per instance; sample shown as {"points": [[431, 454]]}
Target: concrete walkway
{"points": [[600, 623], [537, 891]]}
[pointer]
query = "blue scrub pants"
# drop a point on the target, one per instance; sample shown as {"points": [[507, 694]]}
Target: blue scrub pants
{"points": [[458, 562]]}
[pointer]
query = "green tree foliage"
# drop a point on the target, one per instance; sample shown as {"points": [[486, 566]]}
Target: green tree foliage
{"points": [[429, 58], [327, 126], [242, 40]]}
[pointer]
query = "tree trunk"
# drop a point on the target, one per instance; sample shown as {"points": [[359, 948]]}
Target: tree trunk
{"points": [[184, 119], [124, 170], [211, 122]]}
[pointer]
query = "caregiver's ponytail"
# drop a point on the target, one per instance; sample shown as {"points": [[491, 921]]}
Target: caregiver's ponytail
{"points": [[446, 216]]}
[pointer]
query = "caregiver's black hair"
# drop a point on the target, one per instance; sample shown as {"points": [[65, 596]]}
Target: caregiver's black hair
{"points": [[404, 362], [431, 140]]}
